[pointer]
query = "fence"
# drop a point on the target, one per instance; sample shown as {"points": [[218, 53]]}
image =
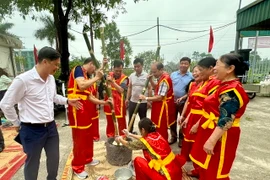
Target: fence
{"points": [[258, 73]]}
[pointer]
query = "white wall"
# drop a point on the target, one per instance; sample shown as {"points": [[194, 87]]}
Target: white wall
{"points": [[5, 60]]}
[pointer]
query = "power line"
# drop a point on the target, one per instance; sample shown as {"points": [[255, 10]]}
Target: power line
{"points": [[134, 34], [196, 37], [206, 30]]}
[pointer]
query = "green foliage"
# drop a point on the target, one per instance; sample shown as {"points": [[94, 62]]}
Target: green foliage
{"points": [[76, 61], [20, 60], [63, 11], [171, 66], [128, 71], [149, 58], [252, 56], [196, 55], [49, 31], [112, 40], [5, 27]]}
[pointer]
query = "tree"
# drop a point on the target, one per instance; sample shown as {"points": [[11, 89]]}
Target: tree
{"points": [[204, 55], [196, 55], [252, 56], [172, 66], [49, 32], [63, 11], [148, 57], [112, 40], [4, 29]]}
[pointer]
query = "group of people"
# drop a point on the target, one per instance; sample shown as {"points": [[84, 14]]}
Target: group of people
{"points": [[206, 105]]}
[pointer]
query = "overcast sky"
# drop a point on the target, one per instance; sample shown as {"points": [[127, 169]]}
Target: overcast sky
{"points": [[191, 15]]}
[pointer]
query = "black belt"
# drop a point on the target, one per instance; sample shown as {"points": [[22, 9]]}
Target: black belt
{"points": [[37, 124]]}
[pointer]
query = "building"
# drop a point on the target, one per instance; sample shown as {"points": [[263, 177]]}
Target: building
{"points": [[25, 59], [7, 46]]}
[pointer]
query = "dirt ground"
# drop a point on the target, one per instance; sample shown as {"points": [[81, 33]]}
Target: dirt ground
{"points": [[253, 155]]}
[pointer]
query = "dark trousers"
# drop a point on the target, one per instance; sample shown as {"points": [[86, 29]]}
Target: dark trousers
{"points": [[173, 128], [34, 139], [141, 111], [2, 142]]}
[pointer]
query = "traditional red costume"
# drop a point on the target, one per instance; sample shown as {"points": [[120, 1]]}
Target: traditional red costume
{"points": [[163, 112], [80, 121], [160, 163], [218, 166], [196, 99], [119, 108], [95, 114]]}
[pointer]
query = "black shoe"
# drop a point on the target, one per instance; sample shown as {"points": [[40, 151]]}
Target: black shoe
{"points": [[180, 143], [2, 149], [172, 141]]}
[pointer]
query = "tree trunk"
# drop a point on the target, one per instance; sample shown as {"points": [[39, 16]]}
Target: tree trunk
{"points": [[63, 46], [61, 23]]}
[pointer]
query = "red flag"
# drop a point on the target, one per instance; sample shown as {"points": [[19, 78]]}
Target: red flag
{"points": [[35, 54], [211, 40], [122, 50]]}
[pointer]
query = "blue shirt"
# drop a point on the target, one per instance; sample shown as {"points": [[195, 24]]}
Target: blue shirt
{"points": [[180, 83]]}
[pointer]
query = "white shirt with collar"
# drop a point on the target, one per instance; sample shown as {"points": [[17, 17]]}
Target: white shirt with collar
{"points": [[34, 96]]}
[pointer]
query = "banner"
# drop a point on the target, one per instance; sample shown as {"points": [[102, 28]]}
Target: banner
{"points": [[263, 42], [122, 50], [35, 54], [211, 40]]}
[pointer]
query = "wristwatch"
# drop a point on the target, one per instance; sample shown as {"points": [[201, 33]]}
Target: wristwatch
{"points": [[146, 98]]}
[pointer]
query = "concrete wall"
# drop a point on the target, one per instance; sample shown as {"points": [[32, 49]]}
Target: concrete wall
{"points": [[265, 90], [5, 60], [261, 90]]}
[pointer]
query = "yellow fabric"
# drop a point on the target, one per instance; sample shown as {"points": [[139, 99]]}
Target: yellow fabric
{"points": [[196, 111], [75, 96], [199, 94], [212, 119], [159, 164]]}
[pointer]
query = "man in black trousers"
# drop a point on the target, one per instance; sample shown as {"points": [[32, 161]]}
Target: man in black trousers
{"points": [[35, 93], [136, 84]]}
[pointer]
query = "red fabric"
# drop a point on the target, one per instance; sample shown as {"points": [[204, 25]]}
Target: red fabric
{"points": [[110, 131], [230, 139], [143, 171], [87, 109], [122, 50], [196, 103], [118, 99], [185, 150], [82, 148], [163, 112], [95, 129], [211, 40], [192, 88], [95, 114], [35, 54], [161, 147]]}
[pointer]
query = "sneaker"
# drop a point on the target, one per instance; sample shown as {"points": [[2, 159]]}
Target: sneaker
{"points": [[94, 162], [82, 175]]}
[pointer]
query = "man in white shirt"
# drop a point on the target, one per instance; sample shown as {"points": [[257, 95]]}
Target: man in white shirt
{"points": [[35, 93], [136, 84]]}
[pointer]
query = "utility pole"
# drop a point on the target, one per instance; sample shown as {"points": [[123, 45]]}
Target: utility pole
{"points": [[158, 36], [237, 36], [91, 25]]}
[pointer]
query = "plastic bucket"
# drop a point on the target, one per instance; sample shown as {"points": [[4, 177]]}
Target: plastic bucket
{"points": [[123, 174]]}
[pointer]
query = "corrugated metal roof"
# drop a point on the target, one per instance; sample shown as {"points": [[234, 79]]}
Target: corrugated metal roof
{"points": [[255, 16]]}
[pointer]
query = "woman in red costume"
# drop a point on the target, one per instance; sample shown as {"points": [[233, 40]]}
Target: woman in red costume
{"points": [[159, 162], [186, 145], [218, 135], [205, 88]]}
